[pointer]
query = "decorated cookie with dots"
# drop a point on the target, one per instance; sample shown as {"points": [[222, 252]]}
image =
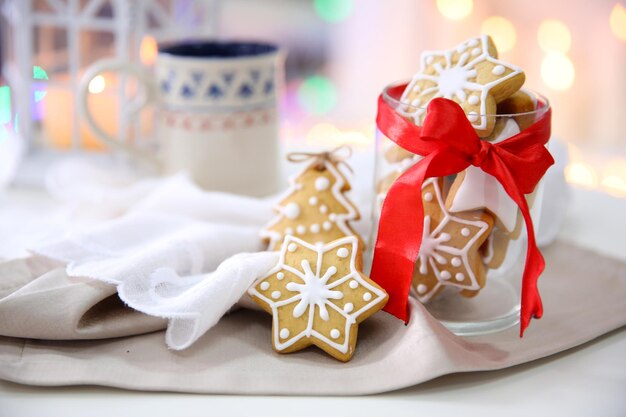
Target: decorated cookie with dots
{"points": [[317, 296], [315, 208], [449, 252], [470, 74]]}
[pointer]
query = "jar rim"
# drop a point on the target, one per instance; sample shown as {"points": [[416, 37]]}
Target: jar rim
{"points": [[395, 102]]}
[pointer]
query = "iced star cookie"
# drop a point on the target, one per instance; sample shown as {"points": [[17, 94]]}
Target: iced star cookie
{"points": [[317, 296], [315, 207], [469, 74], [449, 252]]}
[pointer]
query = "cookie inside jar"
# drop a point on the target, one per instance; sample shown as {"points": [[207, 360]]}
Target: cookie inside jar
{"points": [[468, 270]]}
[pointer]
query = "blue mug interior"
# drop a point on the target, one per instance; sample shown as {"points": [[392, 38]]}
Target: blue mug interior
{"points": [[217, 49]]}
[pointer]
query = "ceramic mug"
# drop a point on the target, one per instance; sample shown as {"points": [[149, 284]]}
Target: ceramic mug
{"points": [[216, 112]]}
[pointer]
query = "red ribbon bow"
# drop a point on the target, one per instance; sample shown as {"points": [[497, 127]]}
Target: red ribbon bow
{"points": [[449, 144]]}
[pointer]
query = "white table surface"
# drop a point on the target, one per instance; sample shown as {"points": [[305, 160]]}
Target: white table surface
{"points": [[586, 381]]}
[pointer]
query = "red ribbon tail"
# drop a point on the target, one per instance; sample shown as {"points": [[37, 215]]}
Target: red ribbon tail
{"points": [[532, 306], [399, 238]]}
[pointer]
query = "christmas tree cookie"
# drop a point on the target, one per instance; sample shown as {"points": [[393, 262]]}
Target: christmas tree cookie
{"points": [[315, 208]]}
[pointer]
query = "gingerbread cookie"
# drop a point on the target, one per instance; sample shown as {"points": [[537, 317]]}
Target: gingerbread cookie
{"points": [[469, 74], [317, 296], [315, 208], [522, 103], [449, 252]]}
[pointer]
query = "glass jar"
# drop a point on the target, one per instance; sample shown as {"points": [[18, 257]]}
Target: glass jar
{"points": [[469, 270]]}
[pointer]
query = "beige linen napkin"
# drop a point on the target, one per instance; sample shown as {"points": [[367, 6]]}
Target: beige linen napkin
{"points": [[583, 295]]}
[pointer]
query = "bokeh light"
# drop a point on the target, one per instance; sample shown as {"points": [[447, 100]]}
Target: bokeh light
{"points": [[455, 9], [501, 31], [581, 174], [554, 36], [329, 135], [39, 74], [614, 185], [5, 105], [97, 84], [317, 95], [333, 10], [557, 71], [148, 50], [617, 21]]}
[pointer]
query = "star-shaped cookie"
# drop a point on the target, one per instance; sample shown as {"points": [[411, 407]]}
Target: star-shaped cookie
{"points": [[317, 296], [469, 74], [449, 252]]}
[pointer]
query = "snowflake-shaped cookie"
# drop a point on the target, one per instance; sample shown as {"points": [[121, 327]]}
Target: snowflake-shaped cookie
{"points": [[469, 74], [317, 296], [449, 253]]}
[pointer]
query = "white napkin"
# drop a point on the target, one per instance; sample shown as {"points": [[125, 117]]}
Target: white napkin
{"points": [[179, 252]]}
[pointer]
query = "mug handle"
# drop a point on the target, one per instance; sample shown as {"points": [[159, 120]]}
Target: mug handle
{"points": [[147, 94]]}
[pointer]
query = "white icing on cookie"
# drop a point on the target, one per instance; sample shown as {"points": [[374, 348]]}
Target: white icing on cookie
{"points": [[314, 291], [292, 211], [342, 252], [313, 200], [498, 70], [322, 184]]}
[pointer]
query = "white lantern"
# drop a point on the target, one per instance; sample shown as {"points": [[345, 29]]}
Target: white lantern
{"points": [[47, 44]]}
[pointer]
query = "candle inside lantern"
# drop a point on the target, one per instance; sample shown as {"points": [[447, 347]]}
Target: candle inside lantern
{"points": [[59, 108]]}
